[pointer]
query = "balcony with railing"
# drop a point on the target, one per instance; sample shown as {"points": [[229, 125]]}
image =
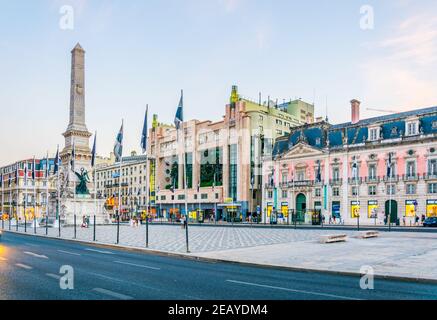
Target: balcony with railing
{"points": [[430, 176], [355, 180], [336, 182], [410, 177], [394, 178], [372, 179]]}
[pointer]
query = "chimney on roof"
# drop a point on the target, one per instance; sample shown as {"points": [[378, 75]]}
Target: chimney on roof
{"points": [[355, 105]]}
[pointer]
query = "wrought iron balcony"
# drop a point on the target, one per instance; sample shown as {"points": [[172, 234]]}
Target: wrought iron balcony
{"points": [[430, 176], [336, 182], [355, 180], [372, 179], [394, 178], [410, 177]]}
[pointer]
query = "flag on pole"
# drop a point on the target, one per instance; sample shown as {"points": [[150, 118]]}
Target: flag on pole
{"points": [[93, 153], [319, 173], [9, 181], [1, 180], [179, 118], [47, 166], [118, 147], [73, 157], [57, 162], [252, 181], [214, 181], [272, 178], [25, 174], [198, 187], [389, 165], [145, 129], [16, 175], [33, 169], [355, 169]]}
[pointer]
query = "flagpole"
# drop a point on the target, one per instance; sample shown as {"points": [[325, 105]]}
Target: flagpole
{"points": [[47, 184], [34, 189], [185, 187], [58, 193], [94, 176], [119, 179]]}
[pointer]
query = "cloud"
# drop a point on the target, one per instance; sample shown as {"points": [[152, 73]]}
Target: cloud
{"points": [[231, 5], [400, 68]]}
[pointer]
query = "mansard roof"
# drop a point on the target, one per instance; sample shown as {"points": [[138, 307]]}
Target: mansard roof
{"points": [[324, 135]]}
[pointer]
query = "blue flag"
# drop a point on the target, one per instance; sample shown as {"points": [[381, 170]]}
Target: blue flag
{"points": [[389, 165], [57, 162], [33, 169], [144, 134], [25, 174], [93, 153], [179, 118], [118, 147], [1, 179]]}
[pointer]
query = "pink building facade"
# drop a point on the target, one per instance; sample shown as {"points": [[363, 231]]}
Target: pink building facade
{"points": [[367, 171]]}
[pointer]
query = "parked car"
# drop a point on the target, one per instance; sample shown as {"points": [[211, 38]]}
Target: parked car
{"points": [[430, 222]]}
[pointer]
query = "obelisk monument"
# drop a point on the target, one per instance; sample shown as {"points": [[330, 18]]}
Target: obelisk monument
{"points": [[73, 203]]}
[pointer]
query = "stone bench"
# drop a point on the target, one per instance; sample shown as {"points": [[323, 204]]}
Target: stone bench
{"points": [[333, 238], [368, 234]]}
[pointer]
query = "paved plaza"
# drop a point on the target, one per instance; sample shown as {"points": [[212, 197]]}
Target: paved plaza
{"points": [[399, 254]]}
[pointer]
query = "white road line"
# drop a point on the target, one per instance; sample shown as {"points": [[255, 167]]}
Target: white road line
{"points": [[112, 294], [20, 265], [99, 251], [35, 255], [3, 259], [54, 276], [71, 253], [137, 265], [293, 290]]}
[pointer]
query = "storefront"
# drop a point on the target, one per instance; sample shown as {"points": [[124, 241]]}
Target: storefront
{"points": [[410, 208], [355, 209], [431, 208], [372, 209], [336, 207], [284, 211]]}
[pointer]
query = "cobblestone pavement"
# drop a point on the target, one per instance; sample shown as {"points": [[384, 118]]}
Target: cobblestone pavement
{"points": [[202, 239]]}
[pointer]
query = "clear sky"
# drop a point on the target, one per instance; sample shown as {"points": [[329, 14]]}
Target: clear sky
{"points": [[141, 52]]}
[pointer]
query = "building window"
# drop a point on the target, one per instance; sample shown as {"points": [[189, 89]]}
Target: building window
{"points": [[432, 188], [411, 189], [279, 132], [411, 128], [372, 171], [411, 169], [336, 192], [336, 173], [301, 175], [284, 177], [391, 189], [284, 194], [355, 191], [372, 190], [373, 135], [269, 194], [432, 167], [204, 196], [181, 197], [318, 192]]}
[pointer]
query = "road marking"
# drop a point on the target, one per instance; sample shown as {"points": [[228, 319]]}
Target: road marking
{"points": [[20, 265], [292, 290], [54, 276], [99, 251], [31, 244], [3, 259], [137, 265], [71, 253], [35, 255], [112, 294]]}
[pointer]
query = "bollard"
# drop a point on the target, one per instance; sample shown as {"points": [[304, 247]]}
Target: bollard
{"points": [[47, 225], [59, 226], [34, 224], [118, 228], [3, 223], [74, 227], [94, 229], [9, 222], [147, 232], [25, 223]]}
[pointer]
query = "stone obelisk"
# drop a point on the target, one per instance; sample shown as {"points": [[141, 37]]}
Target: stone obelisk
{"points": [[71, 203], [77, 132]]}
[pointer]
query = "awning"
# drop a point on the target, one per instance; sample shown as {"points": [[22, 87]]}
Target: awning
{"points": [[225, 205]]}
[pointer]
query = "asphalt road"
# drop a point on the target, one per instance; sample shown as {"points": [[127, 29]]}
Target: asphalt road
{"points": [[30, 270]]}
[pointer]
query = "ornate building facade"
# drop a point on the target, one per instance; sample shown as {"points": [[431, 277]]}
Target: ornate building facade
{"points": [[341, 170]]}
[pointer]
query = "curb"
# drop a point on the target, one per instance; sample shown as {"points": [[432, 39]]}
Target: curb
{"points": [[190, 256]]}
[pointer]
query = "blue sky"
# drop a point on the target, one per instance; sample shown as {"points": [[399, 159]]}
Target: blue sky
{"points": [[141, 52]]}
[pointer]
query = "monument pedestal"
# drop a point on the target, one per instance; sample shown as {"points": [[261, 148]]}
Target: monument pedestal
{"points": [[81, 206]]}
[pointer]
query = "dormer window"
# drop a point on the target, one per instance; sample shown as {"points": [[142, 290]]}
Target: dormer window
{"points": [[412, 128], [373, 134]]}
